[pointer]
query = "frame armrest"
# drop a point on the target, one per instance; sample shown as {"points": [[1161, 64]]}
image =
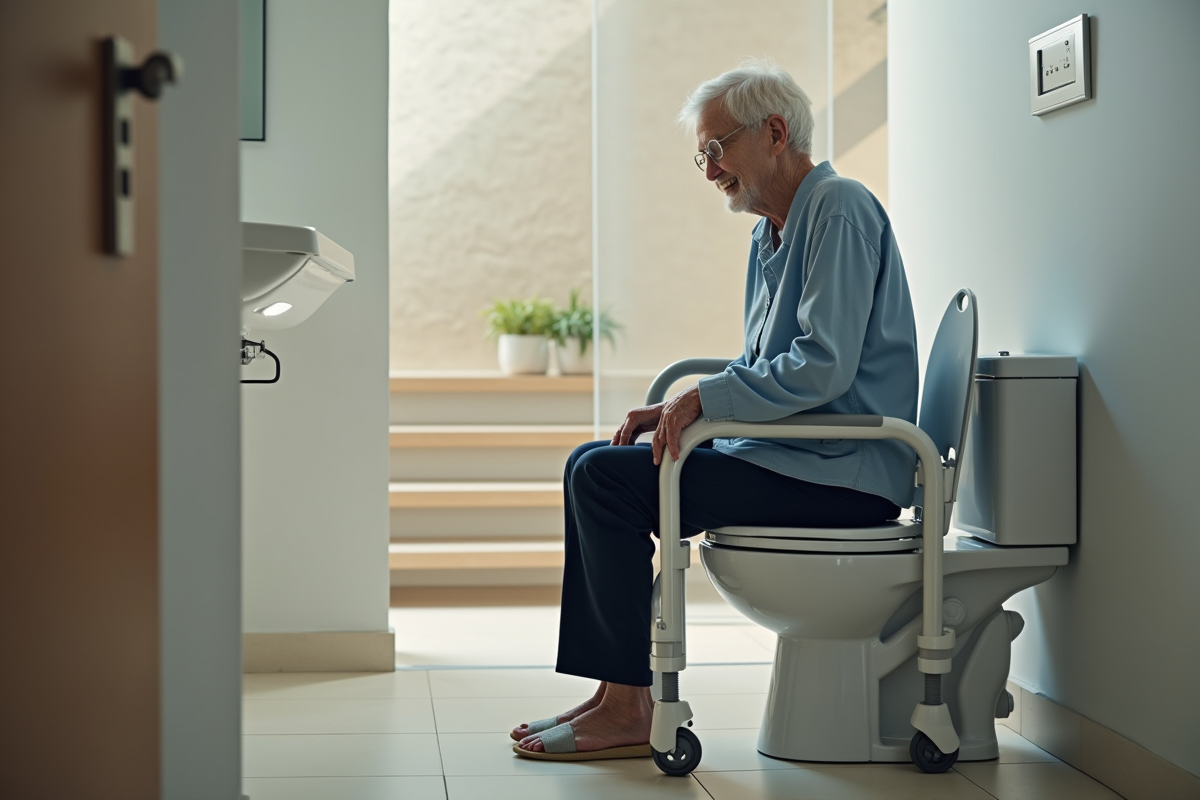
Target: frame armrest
{"points": [[812, 426], [827, 421], [682, 369]]}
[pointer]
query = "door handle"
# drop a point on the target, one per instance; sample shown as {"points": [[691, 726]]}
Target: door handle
{"points": [[122, 75], [159, 69]]}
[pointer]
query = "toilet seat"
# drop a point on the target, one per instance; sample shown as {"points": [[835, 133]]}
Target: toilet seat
{"points": [[961, 550], [900, 536]]}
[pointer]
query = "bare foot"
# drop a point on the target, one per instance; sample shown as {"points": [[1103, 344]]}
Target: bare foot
{"points": [[522, 731], [622, 718]]}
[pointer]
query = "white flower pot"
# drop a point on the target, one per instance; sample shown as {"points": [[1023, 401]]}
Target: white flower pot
{"points": [[570, 362], [524, 354]]}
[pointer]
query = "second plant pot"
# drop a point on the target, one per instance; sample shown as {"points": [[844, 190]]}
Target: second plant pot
{"points": [[570, 360], [524, 354]]}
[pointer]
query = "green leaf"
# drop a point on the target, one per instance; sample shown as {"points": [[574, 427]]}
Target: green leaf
{"points": [[577, 321], [534, 316]]}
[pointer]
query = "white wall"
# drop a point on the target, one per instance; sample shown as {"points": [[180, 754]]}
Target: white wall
{"points": [[315, 445], [200, 408], [1077, 232]]}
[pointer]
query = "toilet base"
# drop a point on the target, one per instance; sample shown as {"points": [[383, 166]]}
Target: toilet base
{"points": [[849, 700], [818, 680]]}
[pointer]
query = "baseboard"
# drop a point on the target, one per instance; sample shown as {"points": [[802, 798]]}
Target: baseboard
{"points": [[319, 651], [1124, 766]]}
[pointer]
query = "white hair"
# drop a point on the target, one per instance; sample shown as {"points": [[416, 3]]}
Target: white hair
{"points": [[753, 91]]}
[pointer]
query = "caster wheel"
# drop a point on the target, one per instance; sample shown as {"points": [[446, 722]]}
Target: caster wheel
{"points": [[685, 757], [925, 754]]}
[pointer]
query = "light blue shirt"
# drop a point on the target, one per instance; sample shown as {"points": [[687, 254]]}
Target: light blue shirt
{"points": [[829, 330]]}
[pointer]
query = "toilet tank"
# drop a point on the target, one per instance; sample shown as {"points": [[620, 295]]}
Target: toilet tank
{"points": [[1018, 480]]}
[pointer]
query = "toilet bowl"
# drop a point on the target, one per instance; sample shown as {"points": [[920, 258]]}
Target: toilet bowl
{"points": [[847, 610], [845, 676]]}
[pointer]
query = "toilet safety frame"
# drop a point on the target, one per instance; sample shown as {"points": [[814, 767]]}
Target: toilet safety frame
{"points": [[936, 485]]}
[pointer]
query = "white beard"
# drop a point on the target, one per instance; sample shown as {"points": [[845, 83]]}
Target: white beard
{"points": [[743, 199]]}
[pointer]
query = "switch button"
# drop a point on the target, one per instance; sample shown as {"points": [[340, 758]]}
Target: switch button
{"points": [[1057, 61]]}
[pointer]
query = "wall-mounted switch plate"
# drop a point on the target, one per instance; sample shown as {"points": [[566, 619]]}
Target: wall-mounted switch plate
{"points": [[1060, 66]]}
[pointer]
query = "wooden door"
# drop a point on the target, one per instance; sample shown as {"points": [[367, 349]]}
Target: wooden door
{"points": [[79, 647]]}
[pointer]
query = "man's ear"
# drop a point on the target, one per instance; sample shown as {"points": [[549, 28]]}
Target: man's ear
{"points": [[779, 133]]}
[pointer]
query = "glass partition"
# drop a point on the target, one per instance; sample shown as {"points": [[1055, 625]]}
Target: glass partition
{"points": [[670, 260]]}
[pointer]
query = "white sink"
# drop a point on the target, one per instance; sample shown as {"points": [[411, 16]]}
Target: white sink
{"points": [[288, 271]]}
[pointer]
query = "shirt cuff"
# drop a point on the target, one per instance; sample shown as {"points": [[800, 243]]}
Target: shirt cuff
{"points": [[716, 403]]}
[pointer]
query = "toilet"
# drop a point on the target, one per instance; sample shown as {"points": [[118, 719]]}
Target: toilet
{"points": [[847, 611]]}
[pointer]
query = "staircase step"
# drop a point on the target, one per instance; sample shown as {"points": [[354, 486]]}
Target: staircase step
{"points": [[430, 453], [461, 436], [500, 408], [476, 460], [410, 382], [495, 524], [435, 464], [475, 494], [473, 398], [475, 555]]}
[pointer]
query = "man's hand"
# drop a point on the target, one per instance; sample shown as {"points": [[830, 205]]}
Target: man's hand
{"points": [[679, 412], [638, 421]]}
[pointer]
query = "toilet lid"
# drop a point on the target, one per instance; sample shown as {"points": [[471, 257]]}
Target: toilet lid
{"points": [[901, 536]]}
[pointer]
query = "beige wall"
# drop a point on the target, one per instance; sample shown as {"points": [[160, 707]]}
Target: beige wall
{"points": [[489, 167], [860, 93], [672, 260], [490, 161]]}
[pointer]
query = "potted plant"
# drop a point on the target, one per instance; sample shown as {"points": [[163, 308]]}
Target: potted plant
{"points": [[572, 330], [521, 326]]}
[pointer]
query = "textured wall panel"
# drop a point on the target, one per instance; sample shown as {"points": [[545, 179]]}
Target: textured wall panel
{"points": [[490, 167]]}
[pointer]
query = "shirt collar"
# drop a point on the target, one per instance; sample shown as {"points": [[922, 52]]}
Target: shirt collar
{"points": [[762, 235], [814, 176]]}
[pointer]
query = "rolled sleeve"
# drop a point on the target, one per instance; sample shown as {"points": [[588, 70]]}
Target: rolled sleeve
{"points": [[716, 403]]}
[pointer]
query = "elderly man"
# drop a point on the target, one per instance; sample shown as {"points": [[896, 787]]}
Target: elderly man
{"points": [[828, 328]]}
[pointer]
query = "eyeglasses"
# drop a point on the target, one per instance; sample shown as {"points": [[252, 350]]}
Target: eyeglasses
{"points": [[713, 149]]}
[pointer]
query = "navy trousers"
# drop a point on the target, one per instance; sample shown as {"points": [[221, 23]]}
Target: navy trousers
{"points": [[611, 499]]}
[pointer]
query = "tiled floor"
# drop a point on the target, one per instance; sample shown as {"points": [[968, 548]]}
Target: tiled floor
{"points": [[526, 634], [431, 730]]}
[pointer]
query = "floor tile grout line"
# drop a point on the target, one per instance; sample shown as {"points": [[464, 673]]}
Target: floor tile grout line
{"points": [[811, 766], [976, 785], [343, 733], [703, 788], [757, 643], [338, 698], [307, 777], [486, 667], [437, 736], [1030, 764], [682, 690]]}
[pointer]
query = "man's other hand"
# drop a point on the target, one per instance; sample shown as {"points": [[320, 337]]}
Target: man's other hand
{"points": [[679, 412], [638, 421]]}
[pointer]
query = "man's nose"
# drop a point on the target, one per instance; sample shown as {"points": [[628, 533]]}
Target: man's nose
{"points": [[711, 169]]}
